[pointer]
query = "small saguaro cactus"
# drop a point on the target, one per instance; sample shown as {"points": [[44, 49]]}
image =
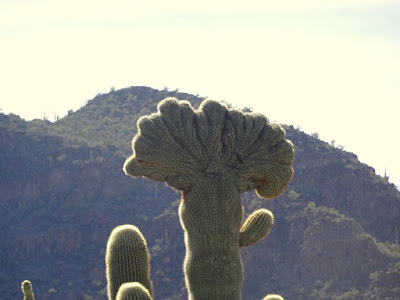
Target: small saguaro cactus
{"points": [[212, 155], [26, 287], [128, 261]]}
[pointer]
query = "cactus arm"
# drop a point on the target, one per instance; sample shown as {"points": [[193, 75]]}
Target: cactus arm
{"points": [[27, 289], [256, 227], [127, 260]]}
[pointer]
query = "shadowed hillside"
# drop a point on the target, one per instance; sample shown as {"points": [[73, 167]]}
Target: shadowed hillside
{"points": [[62, 190]]}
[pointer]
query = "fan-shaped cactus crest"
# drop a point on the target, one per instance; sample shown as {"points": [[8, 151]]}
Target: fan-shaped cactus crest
{"points": [[178, 144]]}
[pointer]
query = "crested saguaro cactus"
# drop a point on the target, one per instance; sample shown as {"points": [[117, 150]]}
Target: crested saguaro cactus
{"points": [[211, 155]]}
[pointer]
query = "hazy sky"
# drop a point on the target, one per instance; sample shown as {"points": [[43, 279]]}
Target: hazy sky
{"points": [[330, 67]]}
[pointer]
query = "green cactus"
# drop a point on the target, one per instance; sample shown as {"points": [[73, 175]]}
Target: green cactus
{"points": [[27, 289], [256, 227], [273, 297], [212, 155], [128, 261], [133, 291]]}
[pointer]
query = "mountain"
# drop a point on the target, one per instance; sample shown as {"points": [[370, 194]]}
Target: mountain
{"points": [[62, 191]]}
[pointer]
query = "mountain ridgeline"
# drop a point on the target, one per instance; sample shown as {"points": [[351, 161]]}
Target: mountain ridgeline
{"points": [[62, 191]]}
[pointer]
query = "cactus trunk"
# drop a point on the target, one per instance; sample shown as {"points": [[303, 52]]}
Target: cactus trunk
{"points": [[211, 214]]}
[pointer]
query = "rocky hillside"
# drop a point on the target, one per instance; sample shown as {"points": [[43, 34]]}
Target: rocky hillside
{"points": [[62, 191]]}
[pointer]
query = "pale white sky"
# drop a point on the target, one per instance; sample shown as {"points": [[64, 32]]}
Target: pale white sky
{"points": [[331, 67]]}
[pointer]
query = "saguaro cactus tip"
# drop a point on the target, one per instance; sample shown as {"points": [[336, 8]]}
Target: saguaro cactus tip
{"points": [[27, 290]]}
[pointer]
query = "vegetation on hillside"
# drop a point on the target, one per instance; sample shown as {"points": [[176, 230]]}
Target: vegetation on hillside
{"points": [[110, 119]]}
